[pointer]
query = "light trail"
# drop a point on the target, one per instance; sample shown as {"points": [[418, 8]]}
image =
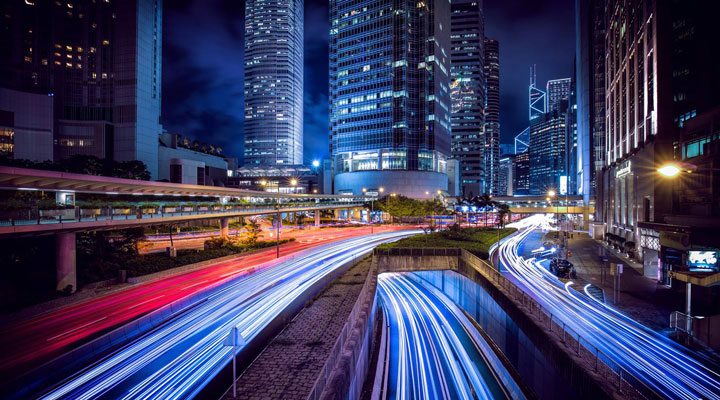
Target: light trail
{"points": [[178, 359], [664, 367], [435, 351]]}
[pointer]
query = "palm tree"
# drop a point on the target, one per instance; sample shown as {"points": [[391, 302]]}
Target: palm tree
{"points": [[482, 202]]}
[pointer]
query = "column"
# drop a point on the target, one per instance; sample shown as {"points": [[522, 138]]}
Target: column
{"points": [[224, 227], [317, 218], [336, 213], [357, 214], [65, 265]]}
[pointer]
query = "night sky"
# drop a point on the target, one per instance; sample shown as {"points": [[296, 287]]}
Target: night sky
{"points": [[203, 65]]}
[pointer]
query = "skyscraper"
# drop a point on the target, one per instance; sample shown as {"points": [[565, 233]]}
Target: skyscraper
{"points": [[273, 85], [468, 95], [537, 100], [101, 63], [557, 91], [590, 93], [547, 151], [390, 97], [492, 114]]}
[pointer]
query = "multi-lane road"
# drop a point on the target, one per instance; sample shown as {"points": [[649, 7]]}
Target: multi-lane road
{"points": [[662, 367], [434, 351], [178, 358], [29, 342]]}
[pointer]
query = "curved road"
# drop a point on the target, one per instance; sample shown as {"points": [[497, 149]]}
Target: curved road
{"points": [[28, 343], [177, 359], [661, 367], [435, 352]]}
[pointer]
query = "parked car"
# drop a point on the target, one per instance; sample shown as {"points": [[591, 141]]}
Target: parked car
{"points": [[563, 269]]}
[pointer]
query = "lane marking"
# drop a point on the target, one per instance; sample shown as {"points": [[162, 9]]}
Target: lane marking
{"points": [[75, 329], [146, 301]]}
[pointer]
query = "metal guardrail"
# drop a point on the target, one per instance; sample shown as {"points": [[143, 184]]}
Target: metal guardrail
{"points": [[623, 381], [682, 322], [63, 216]]}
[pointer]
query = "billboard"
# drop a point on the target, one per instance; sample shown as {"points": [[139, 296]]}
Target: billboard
{"points": [[702, 259]]}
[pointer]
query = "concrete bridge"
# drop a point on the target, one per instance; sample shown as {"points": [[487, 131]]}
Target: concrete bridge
{"points": [[149, 205]]}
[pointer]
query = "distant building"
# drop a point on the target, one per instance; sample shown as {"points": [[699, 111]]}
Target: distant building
{"points": [[570, 183], [274, 70], [557, 91], [521, 177], [180, 164], [507, 148], [26, 125], [468, 85], [506, 175], [547, 152], [492, 114], [277, 179], [522, 141], [390, 109], [101, 62], [537, 99]]}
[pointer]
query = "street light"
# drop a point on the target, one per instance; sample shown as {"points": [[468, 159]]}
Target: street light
{"points": [[316, 163], [669, 170]]}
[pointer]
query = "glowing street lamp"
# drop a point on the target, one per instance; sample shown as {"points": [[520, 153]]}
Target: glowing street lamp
{"points": [[669, 170], [316, 163]]}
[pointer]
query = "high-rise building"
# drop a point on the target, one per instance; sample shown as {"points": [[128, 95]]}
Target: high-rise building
{"points": [[547, 151], [273, 87], [537, 99], [590, 93], [521, 177], [522, 141], [390, 97], [506, 173], [569, 182], [658, 81], [101, 63], [557, 90], [468, 95], [492, 114]]}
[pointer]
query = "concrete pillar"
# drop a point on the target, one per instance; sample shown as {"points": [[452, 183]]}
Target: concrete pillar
{"points": [[336, 213], [65, 265], [357, 214], [224, 227], [317, 217], [586, 217]]}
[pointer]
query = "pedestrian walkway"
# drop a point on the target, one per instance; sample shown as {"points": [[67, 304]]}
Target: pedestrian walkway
{"points": [[639, 297], [289, 366]]}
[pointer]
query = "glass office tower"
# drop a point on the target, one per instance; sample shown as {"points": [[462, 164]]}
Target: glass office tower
{"points": [[274, 82], [389, 96], [468, 95]]}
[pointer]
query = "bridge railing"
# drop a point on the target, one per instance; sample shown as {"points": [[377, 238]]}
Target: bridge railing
{"points": [[38, 216]]}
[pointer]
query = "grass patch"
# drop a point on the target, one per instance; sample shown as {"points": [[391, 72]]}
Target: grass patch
{"points": [[474, 240]]}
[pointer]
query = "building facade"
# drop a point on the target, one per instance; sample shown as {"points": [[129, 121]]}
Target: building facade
{"points": [[537, 98], [547, 152], [590, 93], [492, 115], [26, 125], [101, 63], [557, 90], [506, 175], [468, 94], [273, 86], [521, 177], [390, 109]]}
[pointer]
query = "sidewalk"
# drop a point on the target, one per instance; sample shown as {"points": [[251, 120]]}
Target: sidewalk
{"points": [[641, 298], [289, 366]]}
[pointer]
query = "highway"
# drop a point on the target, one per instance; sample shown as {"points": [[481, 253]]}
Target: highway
{"points": [[434, 351], [663, 368], [178, 358], [30, 342]]}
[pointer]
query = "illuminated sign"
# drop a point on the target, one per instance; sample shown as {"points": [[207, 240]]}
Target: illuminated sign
{"points": [[702, 259], [624, 170], [563, 184]]}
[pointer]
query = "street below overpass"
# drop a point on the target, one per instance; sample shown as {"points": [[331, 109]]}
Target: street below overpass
{"points": [[32, 341]]}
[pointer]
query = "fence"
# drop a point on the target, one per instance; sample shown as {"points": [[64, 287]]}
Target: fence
{"points": [[622, 380]]}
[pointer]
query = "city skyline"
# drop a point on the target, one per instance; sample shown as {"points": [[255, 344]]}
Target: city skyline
{"points": [[201, 96]]}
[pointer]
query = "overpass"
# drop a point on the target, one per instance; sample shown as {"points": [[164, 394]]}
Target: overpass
{"points": [[541, 205], [118, 203]]}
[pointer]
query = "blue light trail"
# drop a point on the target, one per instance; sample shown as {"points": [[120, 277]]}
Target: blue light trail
{"points": [[179, 358], [663, 367], [435, 352]]}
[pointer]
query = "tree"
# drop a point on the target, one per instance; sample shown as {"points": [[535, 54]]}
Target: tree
{"points": [[252, 227]]}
